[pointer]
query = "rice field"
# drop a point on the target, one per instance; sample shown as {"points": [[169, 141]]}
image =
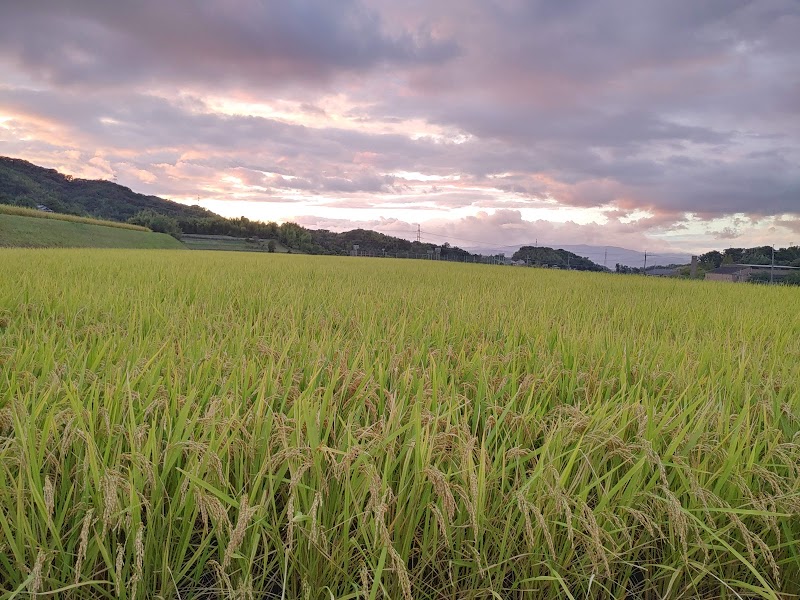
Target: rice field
{"points": [[216, 425]]}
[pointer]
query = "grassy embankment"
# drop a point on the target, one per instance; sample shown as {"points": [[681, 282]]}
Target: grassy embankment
{"points": [[224, 242], [26, 228], [175, 424]]}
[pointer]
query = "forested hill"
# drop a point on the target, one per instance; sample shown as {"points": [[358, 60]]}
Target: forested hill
{"points": [[377, 243], [542, 256], [25, 184]]}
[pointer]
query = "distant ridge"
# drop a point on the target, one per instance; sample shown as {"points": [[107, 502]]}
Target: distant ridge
{"points": [[624, 256], [607, 256], [24, 184]]}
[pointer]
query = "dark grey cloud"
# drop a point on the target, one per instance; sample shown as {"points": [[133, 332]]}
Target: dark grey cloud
{"points": [[258, 43]]}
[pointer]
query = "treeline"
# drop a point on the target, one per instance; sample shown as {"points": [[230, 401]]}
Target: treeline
{"points": [[760, 255], [563, 259], [296, 237], [373, 242], [289, 234]]}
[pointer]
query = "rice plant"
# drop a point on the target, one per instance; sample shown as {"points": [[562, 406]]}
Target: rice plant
{"points": [[208, 425]]}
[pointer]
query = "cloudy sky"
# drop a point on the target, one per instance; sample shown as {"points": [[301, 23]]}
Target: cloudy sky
{"points": [[637, 123]]}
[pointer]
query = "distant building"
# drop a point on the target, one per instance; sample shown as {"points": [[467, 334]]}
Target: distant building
{"points": [[663, 272], [732, 273], [43, 208]]}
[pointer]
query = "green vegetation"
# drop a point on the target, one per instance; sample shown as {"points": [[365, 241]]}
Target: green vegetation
{"points": [[156, 222], [792, 278], [761, 255], [221, 242], [372, 242], [30, 212], [185, 425], [25, 184], [288, 234], [542, 256], [46, 230]]}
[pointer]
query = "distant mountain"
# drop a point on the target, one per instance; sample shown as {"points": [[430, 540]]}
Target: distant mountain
{"points": [[602, 255], [611, 255]]}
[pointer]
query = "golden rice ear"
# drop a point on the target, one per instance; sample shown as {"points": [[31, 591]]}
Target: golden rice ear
{"points": [[246, 513], [36, 577]]}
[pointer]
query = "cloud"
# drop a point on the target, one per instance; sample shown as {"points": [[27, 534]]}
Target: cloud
{"points": [[493, 231], [630, 116], [252, 43], [727, 233]]}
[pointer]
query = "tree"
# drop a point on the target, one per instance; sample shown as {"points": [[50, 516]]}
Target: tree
{"points": [[755, 257], [156, 222], [271, 246], [711, 260]]}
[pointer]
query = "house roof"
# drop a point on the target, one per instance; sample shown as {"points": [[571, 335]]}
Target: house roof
{"points": [[769, 266], [729, 270]]}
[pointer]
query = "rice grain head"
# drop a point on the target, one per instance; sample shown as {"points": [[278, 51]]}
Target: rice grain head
{"points": [[36, 578], [83, 543], [237, 536], [49, 497]]}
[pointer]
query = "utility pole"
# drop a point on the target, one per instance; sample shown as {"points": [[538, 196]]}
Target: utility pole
{"points": [[645, 262], [418, 233], [772, 270]]}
